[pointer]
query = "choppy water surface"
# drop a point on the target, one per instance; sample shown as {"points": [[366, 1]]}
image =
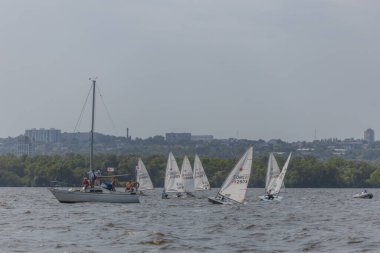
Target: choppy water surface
{"points": [[306, 220]]}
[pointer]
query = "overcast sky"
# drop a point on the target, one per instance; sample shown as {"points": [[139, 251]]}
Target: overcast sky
{"points": [[230, 68]]}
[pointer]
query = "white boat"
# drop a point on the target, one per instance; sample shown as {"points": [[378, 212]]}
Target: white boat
{"points": [[200, 179], [274, 180], [173, 180], [95, 194], [142, 177], [98, 195], [364, 195], [235, 186], [187, 177]]}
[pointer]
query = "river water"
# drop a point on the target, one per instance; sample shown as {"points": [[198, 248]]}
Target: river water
{"points": [[306, 220]]}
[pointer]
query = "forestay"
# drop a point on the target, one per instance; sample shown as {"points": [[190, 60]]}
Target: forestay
{"points": [[173, 181], [276, 185], [187, 175], [273, 171], [235, 186], [142, 177], [200, 178]]}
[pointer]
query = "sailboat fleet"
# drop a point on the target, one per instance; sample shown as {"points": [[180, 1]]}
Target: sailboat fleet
{"points": [[184, 182], [179, 183]]}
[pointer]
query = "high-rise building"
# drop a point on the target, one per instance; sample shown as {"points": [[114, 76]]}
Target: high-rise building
{"points": [[43, 135], [24, 146], [369, 135]]}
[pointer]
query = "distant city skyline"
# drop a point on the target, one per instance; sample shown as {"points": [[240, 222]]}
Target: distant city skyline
{"points": [[241, 69], [48, 134]]}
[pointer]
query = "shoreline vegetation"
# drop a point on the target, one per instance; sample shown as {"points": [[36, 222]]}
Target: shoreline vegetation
{"points": [[69, 170]]}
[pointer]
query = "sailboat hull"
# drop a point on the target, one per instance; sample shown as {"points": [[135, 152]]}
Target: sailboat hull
{"points": [[65, 196], [218, 201], [265, 198]]}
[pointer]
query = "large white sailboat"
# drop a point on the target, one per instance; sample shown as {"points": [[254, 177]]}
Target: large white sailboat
{"points": [[235, 186], [187, 177], [173, 180], [200, 179], [274, 181], [93, 194], [142, 177]]}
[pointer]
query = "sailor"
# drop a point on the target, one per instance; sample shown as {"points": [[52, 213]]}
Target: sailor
{"points": [[365, 191], [114, 182], [85, 183], [270, 195], [164, 195], [128, 186], [92, 177], [98, 175]]}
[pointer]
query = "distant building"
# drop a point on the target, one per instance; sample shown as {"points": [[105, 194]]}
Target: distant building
{"points": [[76, 136], [205, 138], [177, 137], [24, 146], [43, 135], [369, 135]]}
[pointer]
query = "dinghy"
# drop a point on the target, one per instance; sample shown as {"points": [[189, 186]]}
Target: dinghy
{"points": [[173, 180], [187, 177], [143, 178], [274, 179], [235, 186], [363, 195], [200, 179]]}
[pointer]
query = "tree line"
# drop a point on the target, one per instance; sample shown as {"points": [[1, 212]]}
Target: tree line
{"points": [[70, 169]]}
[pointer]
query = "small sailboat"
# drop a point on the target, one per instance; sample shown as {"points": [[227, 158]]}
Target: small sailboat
{"points": [[93, 194], [200, 179], [274, 181], [235, 186], [143, 178], [173, 180], [187, 177]]}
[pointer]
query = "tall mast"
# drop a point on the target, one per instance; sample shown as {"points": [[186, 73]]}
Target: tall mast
{"points": [[92, 124]]}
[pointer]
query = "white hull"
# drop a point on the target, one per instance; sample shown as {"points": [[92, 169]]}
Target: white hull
{"points": [[265, 198], [363, 195], [65, 196]]}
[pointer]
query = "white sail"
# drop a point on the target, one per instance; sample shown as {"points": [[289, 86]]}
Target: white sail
{"points": [[235, 186], [273, 171], [173, 181], [142, 177], [187, 175], [280, 179], [200, 178]]}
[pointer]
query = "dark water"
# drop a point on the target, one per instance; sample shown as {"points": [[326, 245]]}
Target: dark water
{"points": [[306, 220]]}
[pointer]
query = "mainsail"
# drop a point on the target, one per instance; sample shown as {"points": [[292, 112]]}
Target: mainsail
{"points": [[200, 178], [187, 175], [173, 181], [235, 186], [276, 185], [273, 171], [142, 177]]}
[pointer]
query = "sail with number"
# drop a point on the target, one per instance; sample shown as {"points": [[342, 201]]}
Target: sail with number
{"points": [[235, 186], [187, 175], [173, 181], [277, 184], [142, 177], [273, 171], [200, 178]]}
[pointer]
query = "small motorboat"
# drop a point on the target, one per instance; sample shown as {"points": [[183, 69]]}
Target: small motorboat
{"points": [[363, 195]]}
